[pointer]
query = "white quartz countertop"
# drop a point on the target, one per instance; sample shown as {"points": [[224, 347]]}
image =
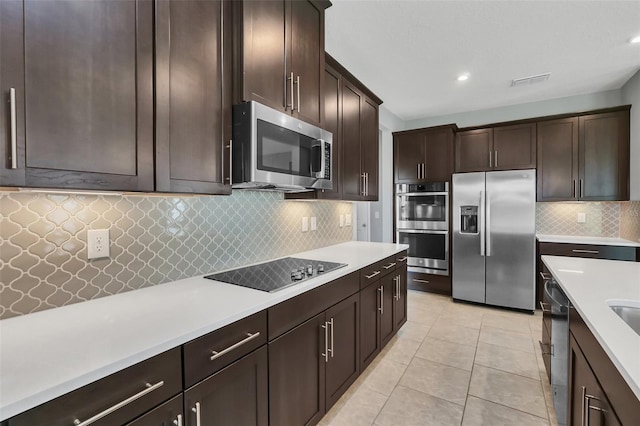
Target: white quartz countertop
{"points": [[589, 284], [47, 354], [572, 239]]}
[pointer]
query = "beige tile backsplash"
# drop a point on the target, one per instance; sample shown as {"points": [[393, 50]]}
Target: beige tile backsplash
{"points": [[603, 219], [154, 239]]}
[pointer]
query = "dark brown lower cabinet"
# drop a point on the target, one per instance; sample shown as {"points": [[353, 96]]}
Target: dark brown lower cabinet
{"points": [[387, 291], [168, 414], [400, 299], [588, 403], [296, 374], [369, 324], [429, 282], [236, 395]]}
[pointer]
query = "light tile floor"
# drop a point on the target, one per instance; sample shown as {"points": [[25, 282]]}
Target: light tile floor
{"points": [[453, 364]]}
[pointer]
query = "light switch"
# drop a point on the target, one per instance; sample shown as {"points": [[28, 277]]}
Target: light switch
{"points": [[348, 219], [341, 220], [314, 223], [582, 217], [305, 224]]}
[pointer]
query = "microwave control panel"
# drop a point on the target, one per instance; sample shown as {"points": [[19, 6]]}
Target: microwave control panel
{"points": [[327, 161]]}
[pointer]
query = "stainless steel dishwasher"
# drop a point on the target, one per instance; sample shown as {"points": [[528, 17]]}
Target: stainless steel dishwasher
{"points": [[557, 305]]}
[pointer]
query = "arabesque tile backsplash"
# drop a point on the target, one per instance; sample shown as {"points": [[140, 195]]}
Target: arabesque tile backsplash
{"points": [[603, 219], [154, 239]]}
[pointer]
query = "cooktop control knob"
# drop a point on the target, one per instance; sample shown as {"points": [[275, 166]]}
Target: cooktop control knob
{"points": [[309, 269], [320, 267], [296, 275]]}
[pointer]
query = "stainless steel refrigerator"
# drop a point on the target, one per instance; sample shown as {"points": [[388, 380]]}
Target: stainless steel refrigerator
{"points": [[494, 225]]}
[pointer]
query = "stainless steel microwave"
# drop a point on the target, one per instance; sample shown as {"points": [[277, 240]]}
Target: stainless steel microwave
{"points": [[273, 150]]}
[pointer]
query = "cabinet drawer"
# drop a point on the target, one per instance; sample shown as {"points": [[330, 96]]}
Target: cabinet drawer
{"points": [[229, 344], [588, 250], [428, 282], [388, 265], [288, 314], [147, 384], [164, 415], [370, 273]]}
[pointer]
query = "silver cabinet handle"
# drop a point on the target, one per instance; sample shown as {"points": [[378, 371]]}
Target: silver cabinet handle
{"points": [[291, 105], [298, 86], [14, 148], [402, 259], [575, 188], [389, 266], [418, 175], [490, 164], [585, 251], [496, 158], [372, 275], [366, 184], [325, 355], [331, 324], [542, 345], [546, 276], [149, 388], [230, 148], [197, 410], [215, 355], [381, 308], [581, 189], [586, 404], [363, 184], [584, 399], [178, 420], [396, 279], [421, 281]]}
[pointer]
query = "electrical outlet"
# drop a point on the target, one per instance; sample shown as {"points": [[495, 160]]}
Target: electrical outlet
{"points": [[341, 220], [314, 223], [348, 219], [582, 217], [97, 243], [305, 224]]}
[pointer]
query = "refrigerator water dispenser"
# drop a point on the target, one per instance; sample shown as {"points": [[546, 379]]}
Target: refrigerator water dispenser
{"points": [[468, 219]]}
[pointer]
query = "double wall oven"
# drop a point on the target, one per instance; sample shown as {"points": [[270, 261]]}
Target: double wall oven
{"points": [[422, 222]]}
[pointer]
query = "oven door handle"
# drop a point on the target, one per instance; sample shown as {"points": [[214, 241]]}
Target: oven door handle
{"points": [[422, 231], [420, 194]]}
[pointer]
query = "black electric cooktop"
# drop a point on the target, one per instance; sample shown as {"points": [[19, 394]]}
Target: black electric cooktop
{"points": [[276, 275]]}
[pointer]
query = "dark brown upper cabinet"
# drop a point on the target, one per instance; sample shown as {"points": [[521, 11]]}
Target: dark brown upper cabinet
{"points": [[77, 90], [193, 96], [498, 148], [280, 55], [424, 155], [584, 158], [333, 123]]}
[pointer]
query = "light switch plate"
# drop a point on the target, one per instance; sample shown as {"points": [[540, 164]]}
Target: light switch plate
{"points": [[348, 219], [341, 220], [582, 217], [97, 243], [305, 224], [314, 223]]}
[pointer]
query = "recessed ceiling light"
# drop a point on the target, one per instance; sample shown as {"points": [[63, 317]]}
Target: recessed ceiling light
{"points": [[635, 40], [463, 77]]}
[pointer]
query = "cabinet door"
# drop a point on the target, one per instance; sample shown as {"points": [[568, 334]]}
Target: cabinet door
{"points": [[352, 180], [514, 147], [473, 149], [84, 102], [604, 156], [235, 395], [438, 155], [588, 404], [193, 96], [387, 291], [557, 160], [369, 324], [307, 58], [369, 148], [332, 113], [261, 73], [168, 414], [400, 299], [296, 375], [408, 156], [343, 366]]}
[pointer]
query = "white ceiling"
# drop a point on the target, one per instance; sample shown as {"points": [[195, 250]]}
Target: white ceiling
{"points": [[409, 53]]}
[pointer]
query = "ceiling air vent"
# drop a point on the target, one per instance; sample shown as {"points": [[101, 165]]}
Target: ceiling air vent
{"points": [[530, 80]]}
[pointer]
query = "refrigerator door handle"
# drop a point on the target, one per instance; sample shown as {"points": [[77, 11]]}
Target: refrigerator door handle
{"points": [[488, 224], [481, 222]]}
